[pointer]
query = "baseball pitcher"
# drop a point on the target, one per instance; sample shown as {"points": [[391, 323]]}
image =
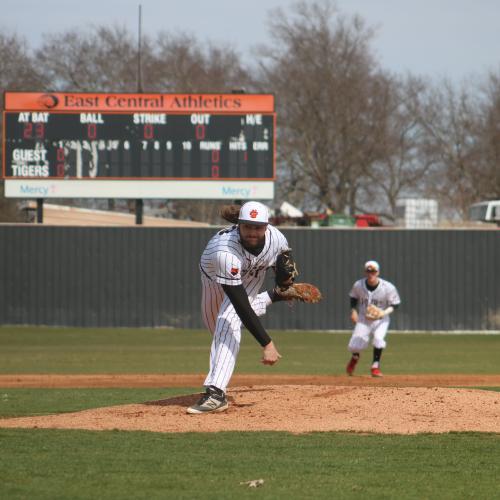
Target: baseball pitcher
{"points": [[233, 267]]}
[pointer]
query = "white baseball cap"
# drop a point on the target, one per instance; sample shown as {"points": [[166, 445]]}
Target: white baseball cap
{"points": [[372, 265], [254, 212]]}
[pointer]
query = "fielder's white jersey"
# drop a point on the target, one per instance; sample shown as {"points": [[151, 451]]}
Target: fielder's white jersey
{"points": [[226, 262], [383, 296]]}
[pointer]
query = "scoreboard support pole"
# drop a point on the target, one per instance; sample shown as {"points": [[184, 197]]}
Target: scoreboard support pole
{"points": [[39, 210], [138, 211]]}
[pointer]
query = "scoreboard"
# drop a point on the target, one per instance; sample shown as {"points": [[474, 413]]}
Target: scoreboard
{"points": [[139, 145]]}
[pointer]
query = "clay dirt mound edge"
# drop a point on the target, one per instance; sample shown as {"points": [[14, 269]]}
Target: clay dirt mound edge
{"points": [[298, 409]]}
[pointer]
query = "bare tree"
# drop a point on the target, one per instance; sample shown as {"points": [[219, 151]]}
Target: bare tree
{"points": [[402, 167], [18, 71], [103, 59], [183, 64], [488, 168], [442, 142], [452, 124], [331, 96]]}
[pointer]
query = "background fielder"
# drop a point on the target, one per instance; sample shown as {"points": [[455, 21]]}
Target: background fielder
{"points": [[372, 301]]}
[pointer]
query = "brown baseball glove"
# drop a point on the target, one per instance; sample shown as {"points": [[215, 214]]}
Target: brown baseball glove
{"points": [[303, 292], [373, 312], [230, 213]]}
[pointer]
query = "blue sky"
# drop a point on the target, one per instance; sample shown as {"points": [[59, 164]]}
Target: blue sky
{"points": [[456, 39]]}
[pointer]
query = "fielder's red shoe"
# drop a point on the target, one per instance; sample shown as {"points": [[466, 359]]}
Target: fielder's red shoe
{"points": [[376, 372], [351, 365]]}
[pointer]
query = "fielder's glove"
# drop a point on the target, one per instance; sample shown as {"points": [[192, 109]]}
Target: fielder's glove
{"points": [[303, 292], [286, 270], [373, 312]]}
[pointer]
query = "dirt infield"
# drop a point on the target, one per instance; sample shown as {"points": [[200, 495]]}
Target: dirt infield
{"points": [[192, 380], [392, 405]]}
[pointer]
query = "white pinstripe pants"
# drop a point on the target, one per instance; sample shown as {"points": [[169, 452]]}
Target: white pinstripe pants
{"points": [[221, 319]]}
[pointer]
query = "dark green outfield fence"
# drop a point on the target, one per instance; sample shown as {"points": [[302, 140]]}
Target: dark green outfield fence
{"points": [[138, 276]]}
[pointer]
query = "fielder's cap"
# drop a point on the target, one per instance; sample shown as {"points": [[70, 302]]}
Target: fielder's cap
{"points": [[254, 212], [372, 265]]}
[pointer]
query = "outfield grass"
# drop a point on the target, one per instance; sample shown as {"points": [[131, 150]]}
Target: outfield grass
{"points": [[63, 464], [53, 464], [73, 350], [23, 402]]}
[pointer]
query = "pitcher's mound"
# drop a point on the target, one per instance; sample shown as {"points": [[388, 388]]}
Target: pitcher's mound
{"points": [[298, 409]]}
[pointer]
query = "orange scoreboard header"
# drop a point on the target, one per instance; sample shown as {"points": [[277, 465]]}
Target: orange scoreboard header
{"points": [[164, 103]]}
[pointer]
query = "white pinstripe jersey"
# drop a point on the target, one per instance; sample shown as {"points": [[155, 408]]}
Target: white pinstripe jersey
{"points": [[225, 261], [383, 296]]}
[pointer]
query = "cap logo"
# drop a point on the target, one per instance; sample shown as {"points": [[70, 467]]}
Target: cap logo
{"points": [[234, 271], [254, 213]]}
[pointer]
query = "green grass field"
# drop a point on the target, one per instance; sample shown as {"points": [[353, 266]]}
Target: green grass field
{"points": [[48, 350], [53, 464]]}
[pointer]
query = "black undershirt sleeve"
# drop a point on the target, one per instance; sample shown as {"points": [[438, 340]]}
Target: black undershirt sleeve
{"points": [[239, 298]]}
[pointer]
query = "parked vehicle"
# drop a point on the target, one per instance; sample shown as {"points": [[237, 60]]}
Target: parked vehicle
{"points": [[485, 211]]}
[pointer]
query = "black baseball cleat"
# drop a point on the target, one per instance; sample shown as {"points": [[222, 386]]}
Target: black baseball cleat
{"points": [[213, 400]]}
